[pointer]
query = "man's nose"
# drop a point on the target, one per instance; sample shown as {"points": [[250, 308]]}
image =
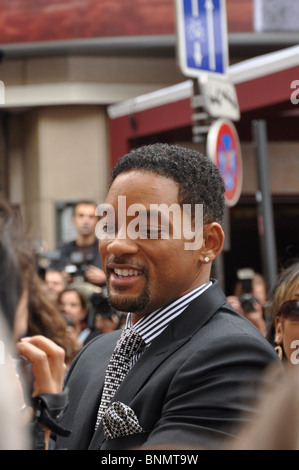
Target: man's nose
{"points": [[122, 244]]}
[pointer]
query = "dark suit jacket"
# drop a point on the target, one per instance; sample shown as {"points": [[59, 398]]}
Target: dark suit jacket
{"points": [[193, 386], [67, 249]]}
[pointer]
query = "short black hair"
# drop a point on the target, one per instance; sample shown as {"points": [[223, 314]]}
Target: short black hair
{"points": [[83, 202], [199, 179]]}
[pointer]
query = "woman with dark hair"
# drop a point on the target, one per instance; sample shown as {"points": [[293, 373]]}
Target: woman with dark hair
{"points": [[45, 319], [34, 404], [19, 270], [74, 309], [12, 244]]}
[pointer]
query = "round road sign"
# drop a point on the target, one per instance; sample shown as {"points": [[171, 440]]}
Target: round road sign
{"points": [[223, 148]]}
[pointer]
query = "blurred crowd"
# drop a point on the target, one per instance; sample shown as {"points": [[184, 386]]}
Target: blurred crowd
{"points": [[275, 314], [53, 306], [74, 283]]}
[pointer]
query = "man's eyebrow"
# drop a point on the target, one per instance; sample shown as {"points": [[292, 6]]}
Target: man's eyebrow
{"points": [[143, 212], [151, 212]]}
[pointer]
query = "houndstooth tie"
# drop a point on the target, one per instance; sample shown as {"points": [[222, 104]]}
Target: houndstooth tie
{"points": [[127, 345]]}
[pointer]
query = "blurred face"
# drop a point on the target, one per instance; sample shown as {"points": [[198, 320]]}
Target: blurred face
{"points": [[54, 282], [288, 334], [85, 219], [259, 292], [144, 274], [70, 305]]}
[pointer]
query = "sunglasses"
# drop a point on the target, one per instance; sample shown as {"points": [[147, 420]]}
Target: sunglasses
{"points": [[290, 310]]}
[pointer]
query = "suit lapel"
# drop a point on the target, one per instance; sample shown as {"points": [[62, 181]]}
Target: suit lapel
{"points": [[178, 332], [158, 351], [85, 415]]}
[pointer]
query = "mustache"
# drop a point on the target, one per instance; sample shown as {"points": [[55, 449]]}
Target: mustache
{"points": [[122, 260], [125, 260]]}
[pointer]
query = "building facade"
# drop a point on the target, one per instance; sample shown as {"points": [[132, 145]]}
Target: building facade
{"points": [[66, 65]]}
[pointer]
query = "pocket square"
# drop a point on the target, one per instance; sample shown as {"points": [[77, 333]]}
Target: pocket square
{"points": [[120, 420]]}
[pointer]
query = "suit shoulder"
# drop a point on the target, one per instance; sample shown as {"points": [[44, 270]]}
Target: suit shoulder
{"points": [[230, 329]]}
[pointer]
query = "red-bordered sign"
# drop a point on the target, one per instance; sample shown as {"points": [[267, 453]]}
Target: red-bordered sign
{"points": [[223, 148]]}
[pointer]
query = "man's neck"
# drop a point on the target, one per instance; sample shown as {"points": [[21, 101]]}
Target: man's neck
{"points": [[85, 240], [158, 320]]}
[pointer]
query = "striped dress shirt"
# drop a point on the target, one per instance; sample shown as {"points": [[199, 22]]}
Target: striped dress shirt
{"points": [[152, 325]]}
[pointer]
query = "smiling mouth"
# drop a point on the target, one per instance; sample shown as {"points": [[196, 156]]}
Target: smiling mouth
{"points": [[124, 278], [127, 272]]}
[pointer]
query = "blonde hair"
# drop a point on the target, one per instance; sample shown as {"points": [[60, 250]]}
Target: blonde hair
{"points": [[285, 287]]}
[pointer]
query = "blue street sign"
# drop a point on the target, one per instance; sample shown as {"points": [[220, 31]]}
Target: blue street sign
{"points": [[202, 36]]}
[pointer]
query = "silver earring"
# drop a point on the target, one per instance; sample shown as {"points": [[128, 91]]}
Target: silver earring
{"points": [[206, 259]]}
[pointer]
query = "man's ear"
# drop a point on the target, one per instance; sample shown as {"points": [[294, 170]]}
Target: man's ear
{"points": [[213, 240]]}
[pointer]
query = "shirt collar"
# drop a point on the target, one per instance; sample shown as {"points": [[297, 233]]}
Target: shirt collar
{"points": [[153, 324]]}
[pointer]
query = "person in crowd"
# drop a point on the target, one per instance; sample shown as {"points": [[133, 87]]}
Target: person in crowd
{"points": [[83, 252], [74, 309], [105, 322], [23, 402], [103, 318], [284, 329], [196, 364], [13, 434], [277, 426], [251, 303], [44, 318], [55, 283]]}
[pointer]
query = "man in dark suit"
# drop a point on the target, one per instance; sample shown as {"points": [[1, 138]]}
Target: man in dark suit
{"points": [[195, 379]]}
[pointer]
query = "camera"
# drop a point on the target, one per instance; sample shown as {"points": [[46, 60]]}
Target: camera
{"points": [[44, 259], [248, 303], [78, 264], [247, 300], [100, 306]]}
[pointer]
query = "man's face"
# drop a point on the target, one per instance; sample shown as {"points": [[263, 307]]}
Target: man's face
{"points": [[146, 274], [54, 282], [84, 219]]}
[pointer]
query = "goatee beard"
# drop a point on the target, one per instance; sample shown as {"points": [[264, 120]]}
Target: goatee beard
{"points": [[122, 303]]}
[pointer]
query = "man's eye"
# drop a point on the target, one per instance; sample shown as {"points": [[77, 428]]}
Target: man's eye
{"points": [[154, 232], [109, 228]]}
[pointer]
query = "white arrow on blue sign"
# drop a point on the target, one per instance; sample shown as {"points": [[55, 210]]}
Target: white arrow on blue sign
{"points": [[202, 36]]}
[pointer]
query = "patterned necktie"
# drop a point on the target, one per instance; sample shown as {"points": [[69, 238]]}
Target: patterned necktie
{"points": [[128, 344]]}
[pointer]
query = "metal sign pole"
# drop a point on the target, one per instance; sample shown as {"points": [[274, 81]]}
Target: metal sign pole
{"points": [[266, 223], [202, 52]]}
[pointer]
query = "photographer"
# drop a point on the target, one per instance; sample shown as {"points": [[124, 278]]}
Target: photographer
{"points": [[81, 257], [103, 318], [250, 297]]}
